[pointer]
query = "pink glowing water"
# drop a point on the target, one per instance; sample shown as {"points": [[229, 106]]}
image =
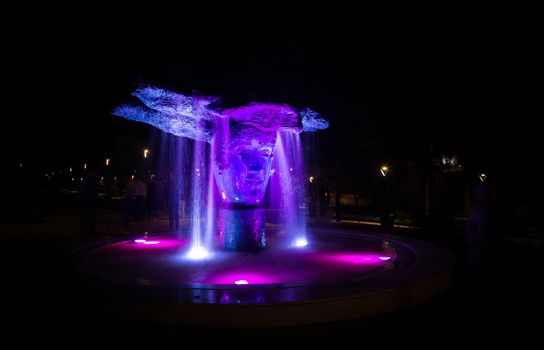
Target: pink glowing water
{"points": [[164, 262]]}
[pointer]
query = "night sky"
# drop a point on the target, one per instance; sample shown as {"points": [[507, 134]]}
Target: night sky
{"points": [[391, 77]]}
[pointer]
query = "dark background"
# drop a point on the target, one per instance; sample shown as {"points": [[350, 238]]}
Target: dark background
{"points": [[401, 82], [394, 79]]}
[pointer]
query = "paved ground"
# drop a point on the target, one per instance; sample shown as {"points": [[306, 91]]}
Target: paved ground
{"points": [[500, 306]]}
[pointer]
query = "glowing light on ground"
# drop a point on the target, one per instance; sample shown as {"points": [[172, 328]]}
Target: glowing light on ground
{"points": [[301, 242], [152, 242], [198, 253], [244, 276], [145, 241], [359, 258]]}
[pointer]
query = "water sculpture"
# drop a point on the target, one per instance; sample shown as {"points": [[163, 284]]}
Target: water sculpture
{"points": [[244, 159], [242, 139]]}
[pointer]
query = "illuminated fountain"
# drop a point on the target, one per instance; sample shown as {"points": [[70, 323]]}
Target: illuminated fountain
{"points": [[241, 151], [310, 274]]}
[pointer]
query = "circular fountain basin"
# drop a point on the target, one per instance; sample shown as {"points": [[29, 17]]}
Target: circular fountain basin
{"points": [[340, 275]]}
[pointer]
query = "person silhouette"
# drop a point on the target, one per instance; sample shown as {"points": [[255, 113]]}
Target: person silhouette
{"points": [[484, 229]]}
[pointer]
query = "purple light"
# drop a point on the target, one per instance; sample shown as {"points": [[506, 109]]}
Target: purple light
{"points": [[162, 243], [358, 258], [145, 241], [223, 195], [243, 276]]}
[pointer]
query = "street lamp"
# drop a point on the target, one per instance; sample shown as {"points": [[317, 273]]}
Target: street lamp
{"points": [[107, 161], [146, 152], [482, 176], [384, 170]]}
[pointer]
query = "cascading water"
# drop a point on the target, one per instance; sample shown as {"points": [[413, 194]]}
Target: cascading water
{"points": [[288, 187]]}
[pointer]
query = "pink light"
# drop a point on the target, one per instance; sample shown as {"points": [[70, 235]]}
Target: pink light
{"points": [[145, 241], [243, 275], [358, 258], [223, 195]]}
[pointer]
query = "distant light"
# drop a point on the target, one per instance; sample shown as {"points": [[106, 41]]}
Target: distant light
{"points": [[115, 178], [198, 253], [70, 170], [311, 179], [241, 282], [146, 153], [107, 161], [384, 258], [139, 240], [384, 170], [73, 179], [482, 177], [101, 178], [290, 169], [20, 165], [301, 242], [132, 177], [85, 166], [223, 195]]}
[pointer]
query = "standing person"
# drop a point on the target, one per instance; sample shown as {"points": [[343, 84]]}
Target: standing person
{"points": [[89, 196], [484, 230]]}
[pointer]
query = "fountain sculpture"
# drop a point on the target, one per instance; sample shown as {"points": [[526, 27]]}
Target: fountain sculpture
{"points": [[243, 141]]}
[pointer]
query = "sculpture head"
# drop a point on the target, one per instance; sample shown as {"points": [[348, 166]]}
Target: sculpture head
{"points": [[244, 149], [242, 163]]}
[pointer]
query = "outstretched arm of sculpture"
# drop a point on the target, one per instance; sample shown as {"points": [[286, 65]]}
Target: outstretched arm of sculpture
{"points": [[193, 117], [179, 125], [172, 103], [313, 121]]}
